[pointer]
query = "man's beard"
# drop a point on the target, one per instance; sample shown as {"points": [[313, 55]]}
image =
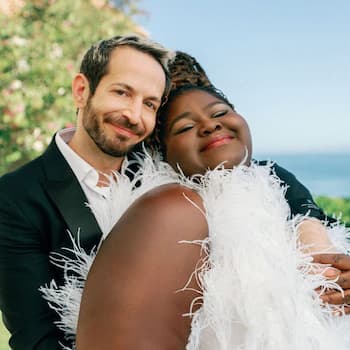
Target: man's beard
{"points": [[97, 134]]}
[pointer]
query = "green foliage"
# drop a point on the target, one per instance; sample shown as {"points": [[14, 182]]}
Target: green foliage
{"points": [[339, 207], [40, 50], [4, 336]]}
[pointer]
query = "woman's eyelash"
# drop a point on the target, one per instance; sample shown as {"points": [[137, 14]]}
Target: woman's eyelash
{"points": [[219, 114], [185, 128]]}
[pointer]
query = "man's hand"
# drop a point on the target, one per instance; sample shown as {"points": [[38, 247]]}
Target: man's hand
{"points": [[342, 263]]}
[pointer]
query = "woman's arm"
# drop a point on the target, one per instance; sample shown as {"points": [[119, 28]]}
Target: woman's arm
{"points": [[131, 298]]}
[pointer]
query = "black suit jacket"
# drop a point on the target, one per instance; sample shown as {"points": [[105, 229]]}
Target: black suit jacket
{"points": [[297, 195], [38, 204]]}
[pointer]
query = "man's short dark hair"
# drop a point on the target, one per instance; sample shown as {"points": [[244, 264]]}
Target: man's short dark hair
{"points": [[96, 60]]}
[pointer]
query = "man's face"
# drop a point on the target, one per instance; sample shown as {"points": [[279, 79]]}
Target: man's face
{"points": [[122, 111]]}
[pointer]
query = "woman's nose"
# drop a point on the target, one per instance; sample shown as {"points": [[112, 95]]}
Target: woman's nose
{"points": [[209, 126]]}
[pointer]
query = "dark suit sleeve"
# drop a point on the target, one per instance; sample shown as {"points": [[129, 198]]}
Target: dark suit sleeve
{"points": [[299, 197], [24, 267]]}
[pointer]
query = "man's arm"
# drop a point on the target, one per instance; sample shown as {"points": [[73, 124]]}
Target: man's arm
{"points": [[301, 202], [24, 267], [313, 237], [341, 262], [299, 197]]}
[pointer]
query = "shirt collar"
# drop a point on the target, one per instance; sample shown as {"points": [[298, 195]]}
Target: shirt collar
{"points": [[82, 169]]}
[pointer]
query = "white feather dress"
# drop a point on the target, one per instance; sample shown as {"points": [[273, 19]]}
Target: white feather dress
{"points": [[257, 289]]}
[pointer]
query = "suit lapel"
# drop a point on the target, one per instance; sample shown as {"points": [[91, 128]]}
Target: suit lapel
{"points": [[65, 191]]}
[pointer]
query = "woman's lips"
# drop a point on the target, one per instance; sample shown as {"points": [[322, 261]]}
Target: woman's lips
{"points": [[217, 141]]}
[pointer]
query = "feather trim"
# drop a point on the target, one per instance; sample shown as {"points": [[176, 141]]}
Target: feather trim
{"points": [[258, 291]]}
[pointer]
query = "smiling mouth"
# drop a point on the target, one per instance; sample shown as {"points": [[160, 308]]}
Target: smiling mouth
{"points": [[217, 142], [122, 130]]}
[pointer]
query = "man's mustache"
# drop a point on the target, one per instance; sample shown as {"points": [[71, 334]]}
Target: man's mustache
{"points": [[124, 123]]}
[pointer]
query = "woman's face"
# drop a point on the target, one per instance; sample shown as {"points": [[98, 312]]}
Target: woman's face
{"points": [[202, 131]]}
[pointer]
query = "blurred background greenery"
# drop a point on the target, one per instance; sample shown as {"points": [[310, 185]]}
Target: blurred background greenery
{"points": [[42, 42], [4, 335], [338, 207]]}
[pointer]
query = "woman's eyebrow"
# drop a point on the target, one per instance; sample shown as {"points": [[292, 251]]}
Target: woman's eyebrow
{"points": [[179, 117], [218, 102]]}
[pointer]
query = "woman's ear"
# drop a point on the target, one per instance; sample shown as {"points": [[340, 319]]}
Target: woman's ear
{"points": [[80, 90]]}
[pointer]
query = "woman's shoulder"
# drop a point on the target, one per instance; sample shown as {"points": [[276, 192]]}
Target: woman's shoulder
{"points": [[169, 197], [170, 210]]}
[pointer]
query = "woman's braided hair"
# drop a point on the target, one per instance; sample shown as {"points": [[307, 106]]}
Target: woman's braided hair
{"points": [[186, 74], [185, 70]]}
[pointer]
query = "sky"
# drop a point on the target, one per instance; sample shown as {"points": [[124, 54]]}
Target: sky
{"points": [[285, 65]]}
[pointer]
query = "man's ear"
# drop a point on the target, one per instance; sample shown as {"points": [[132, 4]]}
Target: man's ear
{"points": [[80, 90]]}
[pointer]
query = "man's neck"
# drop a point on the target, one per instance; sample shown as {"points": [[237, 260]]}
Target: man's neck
{"points": [[99, 160]]}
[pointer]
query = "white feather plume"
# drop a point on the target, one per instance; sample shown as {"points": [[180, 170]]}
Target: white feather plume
{"points": [[257, 289]]}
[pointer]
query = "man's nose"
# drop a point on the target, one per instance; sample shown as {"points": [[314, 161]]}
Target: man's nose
{"points": [[134, 112], [209, 126]]}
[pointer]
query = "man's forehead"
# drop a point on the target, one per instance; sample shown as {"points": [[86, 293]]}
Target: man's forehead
{"points": [[137, 70], [128, 55]]}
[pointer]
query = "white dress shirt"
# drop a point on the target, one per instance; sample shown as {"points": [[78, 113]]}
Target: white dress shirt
{"points": [[87, 175]]}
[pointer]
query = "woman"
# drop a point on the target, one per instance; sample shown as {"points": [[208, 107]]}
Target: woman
{"points": [[143, 281]]}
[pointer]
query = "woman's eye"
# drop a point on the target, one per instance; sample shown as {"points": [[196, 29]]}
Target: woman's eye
{"points": [[184, 129], [219, 114]]}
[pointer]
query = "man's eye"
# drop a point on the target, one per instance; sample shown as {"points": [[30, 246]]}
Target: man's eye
{"points": [[151, 105], [121, 92], [219, 114]]}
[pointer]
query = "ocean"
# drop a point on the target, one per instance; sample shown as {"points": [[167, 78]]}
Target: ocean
{"points": [[323, 174]]}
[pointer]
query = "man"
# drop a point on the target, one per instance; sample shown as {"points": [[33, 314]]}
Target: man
{"points": [[121, 84]]}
